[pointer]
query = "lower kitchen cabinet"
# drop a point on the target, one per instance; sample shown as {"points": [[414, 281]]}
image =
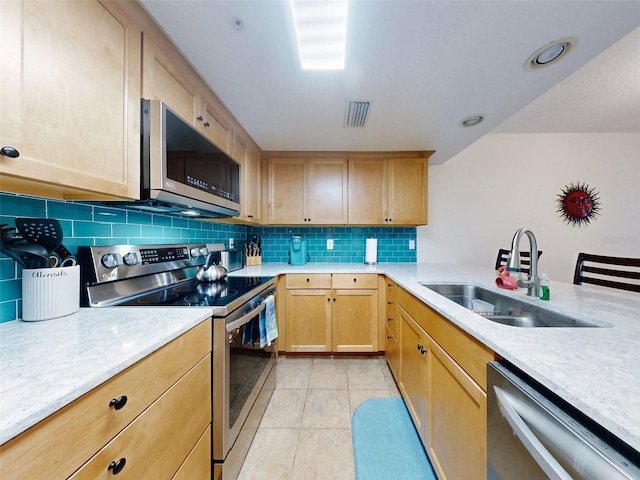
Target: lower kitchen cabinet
{"points": [[391, 330], [443, 381], [331, 313], [414, 372], [458, 426], [151, 415], [308, 320]]}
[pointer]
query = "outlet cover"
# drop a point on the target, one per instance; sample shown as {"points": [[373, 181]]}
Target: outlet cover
{"points": [[329, 244], [412, 244]]}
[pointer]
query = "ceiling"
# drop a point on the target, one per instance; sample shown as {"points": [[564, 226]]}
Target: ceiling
{"points": [[424, 65]]}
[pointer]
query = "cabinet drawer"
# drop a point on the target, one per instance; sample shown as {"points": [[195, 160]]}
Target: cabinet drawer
{"points": [[392, 324], [55, 447], [314, 280], [414, 307], [176, 420], [354, 280], [392, 289], [198, 463], [468, 352]]}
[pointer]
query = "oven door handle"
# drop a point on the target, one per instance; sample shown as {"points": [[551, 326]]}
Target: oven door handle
{"points": [[246, 318]]}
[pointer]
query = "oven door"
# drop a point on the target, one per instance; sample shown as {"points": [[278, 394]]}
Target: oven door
{"points": [[239, 375]]}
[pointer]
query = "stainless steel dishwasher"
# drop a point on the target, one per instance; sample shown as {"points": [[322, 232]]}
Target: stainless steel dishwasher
{"points": [[533, 434]]}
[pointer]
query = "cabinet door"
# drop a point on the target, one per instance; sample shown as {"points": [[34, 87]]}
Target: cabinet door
{"points": [[414, 372], [163, 79], [308, 321], [253, 192], [286, 194], [355, 321], [70, 98], [327, 191], [178, 418], [214, 126], [458, 427], [367, 192], [407, 191]]}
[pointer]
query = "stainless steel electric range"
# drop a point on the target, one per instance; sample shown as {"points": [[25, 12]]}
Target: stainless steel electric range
{"points": [[164, 275]]}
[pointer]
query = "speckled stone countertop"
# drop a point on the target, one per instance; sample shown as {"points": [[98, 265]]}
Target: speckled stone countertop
{"points": [[46, 365], [594, 369]]}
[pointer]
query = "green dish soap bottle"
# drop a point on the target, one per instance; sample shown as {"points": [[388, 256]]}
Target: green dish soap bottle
{"points": [[545, 293]]}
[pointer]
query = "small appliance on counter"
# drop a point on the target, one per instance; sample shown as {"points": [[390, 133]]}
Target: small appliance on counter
{"points": [[231, 259], [298, 251]]}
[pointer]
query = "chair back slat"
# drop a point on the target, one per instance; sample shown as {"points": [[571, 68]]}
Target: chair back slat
{"points": [[592, 269], [503, 254]]}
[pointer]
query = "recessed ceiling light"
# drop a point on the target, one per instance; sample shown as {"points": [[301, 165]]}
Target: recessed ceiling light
{"points": [[321, 33], [472, 120], [550, 53], [238, 24]]}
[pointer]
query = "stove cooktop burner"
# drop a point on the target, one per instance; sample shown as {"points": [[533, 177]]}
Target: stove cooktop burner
{"points": [[194, 293]]}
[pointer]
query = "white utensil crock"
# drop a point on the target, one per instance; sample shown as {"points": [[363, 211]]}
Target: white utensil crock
{"points": [[50, 292]]}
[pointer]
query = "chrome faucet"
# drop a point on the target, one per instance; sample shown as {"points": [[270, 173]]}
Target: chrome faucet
{"points": [[513, 262]]}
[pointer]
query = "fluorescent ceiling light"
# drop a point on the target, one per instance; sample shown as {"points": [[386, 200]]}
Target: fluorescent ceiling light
{"points": [[321, 33]]}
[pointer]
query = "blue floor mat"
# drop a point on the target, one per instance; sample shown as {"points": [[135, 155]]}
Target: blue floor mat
{"points": [[385, 443]]}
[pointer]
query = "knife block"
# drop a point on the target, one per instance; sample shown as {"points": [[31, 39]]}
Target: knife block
{"points": [[256, 260], [49, 293]]}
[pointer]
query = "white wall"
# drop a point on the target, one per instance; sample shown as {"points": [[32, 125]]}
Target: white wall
{"points": [[478, 199]]}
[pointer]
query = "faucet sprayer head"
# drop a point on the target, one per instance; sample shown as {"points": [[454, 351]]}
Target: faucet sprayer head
{"points": [[513, 261]]}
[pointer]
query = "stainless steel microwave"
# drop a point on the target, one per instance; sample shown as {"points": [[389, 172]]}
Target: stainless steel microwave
{"points": [[182, 171]]}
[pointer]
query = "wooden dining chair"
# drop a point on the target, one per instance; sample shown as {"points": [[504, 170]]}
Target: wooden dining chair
{"points": [[595, 269], [524, 259]]}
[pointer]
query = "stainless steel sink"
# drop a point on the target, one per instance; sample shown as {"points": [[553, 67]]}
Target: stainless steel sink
{"points": [[506, 310]]}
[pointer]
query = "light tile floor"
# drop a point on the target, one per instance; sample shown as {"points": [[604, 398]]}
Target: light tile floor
{"points": [[306, 430]]}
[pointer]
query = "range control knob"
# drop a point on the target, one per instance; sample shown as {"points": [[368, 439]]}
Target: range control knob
{"points": [[111, 260], [199, 251], [131, 258]]}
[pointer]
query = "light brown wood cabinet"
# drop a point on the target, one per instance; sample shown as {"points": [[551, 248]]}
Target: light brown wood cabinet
{"points": [[248, 155], [309, 190], [443, 380], [70, 99], [388, 188], [168, 403], [331, 313], [414, 372], [391, 329]]}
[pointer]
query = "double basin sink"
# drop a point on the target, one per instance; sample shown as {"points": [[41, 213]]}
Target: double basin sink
{"points": [[503, 309]]}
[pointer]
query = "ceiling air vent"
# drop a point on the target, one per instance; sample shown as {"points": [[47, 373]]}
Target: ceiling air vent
{"points": [[356, 113]]}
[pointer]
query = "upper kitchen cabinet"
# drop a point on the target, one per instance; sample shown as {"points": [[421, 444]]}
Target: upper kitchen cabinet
{"points": [[306, 188], [165, 76], [211, 122], [247, 154], [70, 98], [388, 188]]}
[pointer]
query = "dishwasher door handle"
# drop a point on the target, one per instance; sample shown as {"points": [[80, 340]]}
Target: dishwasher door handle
{"points": [[533, 425], [538, 452]]}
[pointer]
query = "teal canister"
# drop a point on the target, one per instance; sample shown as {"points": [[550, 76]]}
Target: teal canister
{"points": [[298, 251]]}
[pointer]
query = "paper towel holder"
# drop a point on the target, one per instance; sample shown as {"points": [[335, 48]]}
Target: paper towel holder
{"points": [[371, 252]]}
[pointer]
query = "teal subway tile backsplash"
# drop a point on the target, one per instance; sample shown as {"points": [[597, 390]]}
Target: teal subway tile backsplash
{"points": [[85, 224], [348, 243]]}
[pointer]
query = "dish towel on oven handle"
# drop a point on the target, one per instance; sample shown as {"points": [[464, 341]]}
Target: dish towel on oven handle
{"points": [[270, 323]]}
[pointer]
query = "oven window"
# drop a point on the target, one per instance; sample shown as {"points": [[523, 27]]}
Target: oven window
{"points": [[246, 366]]}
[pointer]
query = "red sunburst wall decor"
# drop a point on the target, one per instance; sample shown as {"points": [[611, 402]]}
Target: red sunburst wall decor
{"points": [[578, 204]]}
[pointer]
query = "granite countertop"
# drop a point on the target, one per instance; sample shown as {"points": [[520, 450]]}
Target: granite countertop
{"points": [[46, 365], [594, 369]]}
